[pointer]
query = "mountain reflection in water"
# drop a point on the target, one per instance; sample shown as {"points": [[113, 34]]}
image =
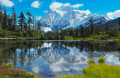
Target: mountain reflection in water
{"points": [[51, 58]]}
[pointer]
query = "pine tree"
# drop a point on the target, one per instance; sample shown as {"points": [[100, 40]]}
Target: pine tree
{"points": [[14, 19], [77, 32], [119, 23], [91, 26], [5, 20], [25, 26], [1, 17], [21, 20], [29, 20], [33, 21], [10, 22], [119, 20], [81, 31], [39, 26]]}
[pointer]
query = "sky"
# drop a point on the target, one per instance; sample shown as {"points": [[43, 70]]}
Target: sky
{"points": [[38, 8]]}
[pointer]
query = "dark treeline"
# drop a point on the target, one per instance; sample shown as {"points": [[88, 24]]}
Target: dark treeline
{"points": [[111, 30], [18, 26]]}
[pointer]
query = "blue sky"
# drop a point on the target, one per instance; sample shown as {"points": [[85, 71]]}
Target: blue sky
{"points": [[39, 7]]}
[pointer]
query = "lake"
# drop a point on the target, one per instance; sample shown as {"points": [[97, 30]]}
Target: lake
{"points": [[52, 58]]}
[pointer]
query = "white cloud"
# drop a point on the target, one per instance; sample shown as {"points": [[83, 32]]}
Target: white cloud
{"points": [[77, 5], [114, 14], [67, 4], [7, 3], [36, 4], [56, 5], [83, 12]]}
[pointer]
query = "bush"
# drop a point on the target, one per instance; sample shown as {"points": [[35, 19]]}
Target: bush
{"points": [[8, 71], [1, 32], [101, 60], [91, 61], [20, 33], [6, 33], [8, 65]]}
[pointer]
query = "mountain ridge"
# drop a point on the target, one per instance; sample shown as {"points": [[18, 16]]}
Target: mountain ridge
{"points": [[67, 18]]}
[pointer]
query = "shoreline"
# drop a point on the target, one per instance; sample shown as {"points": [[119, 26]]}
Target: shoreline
{"points": [[82, 39]]}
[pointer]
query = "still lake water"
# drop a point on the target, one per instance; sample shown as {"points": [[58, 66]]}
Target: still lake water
{"points": [[51, 58]]}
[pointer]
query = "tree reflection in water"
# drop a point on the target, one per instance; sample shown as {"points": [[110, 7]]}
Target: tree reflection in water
{"points": [[56, 56]]}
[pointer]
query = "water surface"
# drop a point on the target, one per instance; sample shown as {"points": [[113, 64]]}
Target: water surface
{"points": [[51, 58]]}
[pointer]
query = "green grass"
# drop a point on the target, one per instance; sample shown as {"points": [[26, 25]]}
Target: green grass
{"points": [[69, 38], [20, 38], [27, 38], [97, 71], [8, 71], [100, 70], [95, 37]]}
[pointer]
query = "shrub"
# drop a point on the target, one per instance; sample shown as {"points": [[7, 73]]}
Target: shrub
{"points": [[91, 61], [8, 71], [101, 60], [20, 33]]}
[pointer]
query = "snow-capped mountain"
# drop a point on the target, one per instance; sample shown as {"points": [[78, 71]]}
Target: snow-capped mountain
{"points": [[67, 18]]}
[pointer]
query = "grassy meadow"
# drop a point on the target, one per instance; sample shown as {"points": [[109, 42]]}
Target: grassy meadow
{"points": [[95, 37]]}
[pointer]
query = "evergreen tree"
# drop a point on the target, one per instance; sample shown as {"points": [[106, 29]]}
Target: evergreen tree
{"points": [[81, 31], [14, 19], [1, 17], [38, 26], [77, 32], [91, 26], [119, 23], [21, 20], [29, 20], [33, 21], [25, 27], [5, 20], [57, 33], [10, 22], [119, 20]]}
